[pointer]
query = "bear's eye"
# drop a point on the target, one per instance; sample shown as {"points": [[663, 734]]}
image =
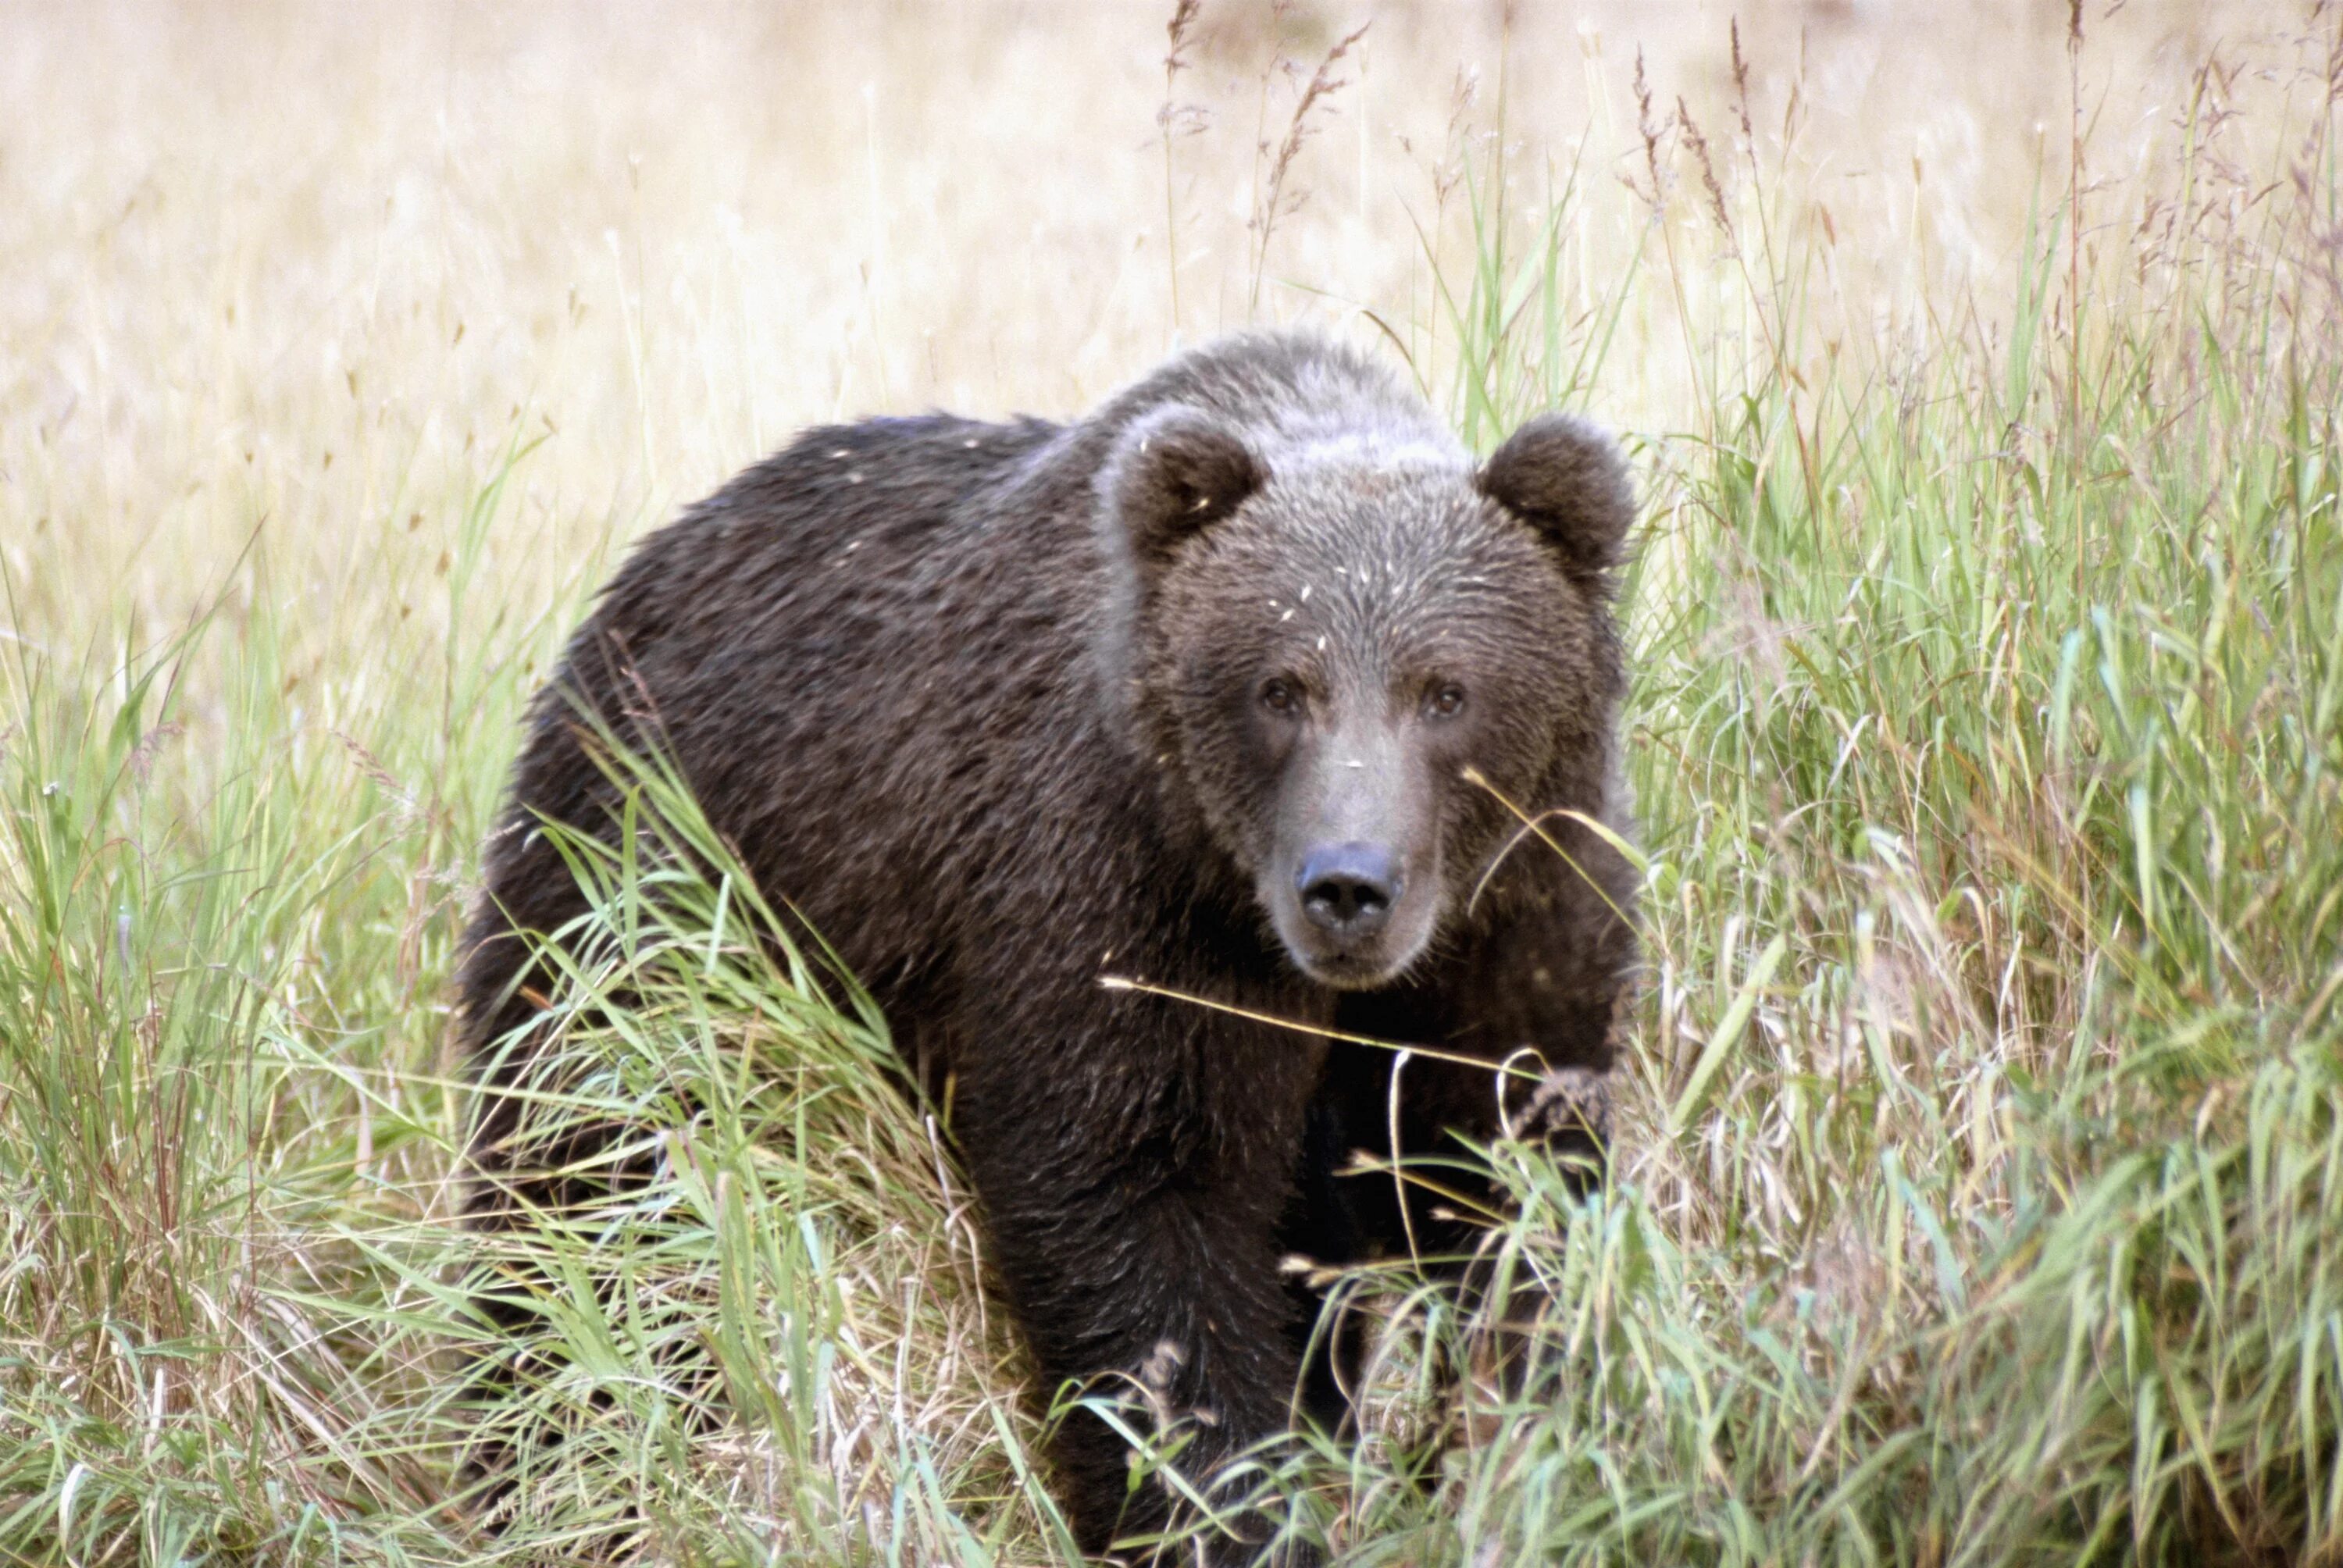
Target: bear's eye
{"points": [[1279, 696], [1447, 701]]}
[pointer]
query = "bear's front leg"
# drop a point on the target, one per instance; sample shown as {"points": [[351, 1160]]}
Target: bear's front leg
{"points": [[1135, 1232]]}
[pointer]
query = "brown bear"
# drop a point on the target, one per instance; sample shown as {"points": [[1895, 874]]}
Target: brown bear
{"points": [[1248, 686]]}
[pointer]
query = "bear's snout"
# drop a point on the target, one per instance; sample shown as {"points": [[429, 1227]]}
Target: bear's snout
{"points": [[1348, 889], [1351, 880]]}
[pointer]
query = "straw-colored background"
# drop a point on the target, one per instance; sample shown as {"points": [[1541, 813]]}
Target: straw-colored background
{"points": [[300, 264]]}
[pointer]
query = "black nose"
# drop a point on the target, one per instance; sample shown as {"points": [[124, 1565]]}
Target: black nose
{"points": [[1348, 888]]}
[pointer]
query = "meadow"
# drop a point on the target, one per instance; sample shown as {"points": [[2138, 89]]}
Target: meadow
{"points": [[1977, 1188]]}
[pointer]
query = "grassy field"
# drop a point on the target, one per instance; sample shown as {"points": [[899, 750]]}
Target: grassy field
{"points": [[1978, 1189]]}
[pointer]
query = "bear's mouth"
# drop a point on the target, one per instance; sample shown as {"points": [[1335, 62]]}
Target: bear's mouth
{"points": [[1345, 972]]}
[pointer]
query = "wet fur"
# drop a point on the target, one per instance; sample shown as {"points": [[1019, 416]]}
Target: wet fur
{"points": [[973, 697]]}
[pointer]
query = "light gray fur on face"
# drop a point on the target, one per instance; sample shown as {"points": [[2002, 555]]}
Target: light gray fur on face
{"points": [[1292, 400], [1382, 590], [1281, 517]]}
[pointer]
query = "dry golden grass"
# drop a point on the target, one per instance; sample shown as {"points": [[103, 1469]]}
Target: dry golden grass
{"points": [[289, 271]]}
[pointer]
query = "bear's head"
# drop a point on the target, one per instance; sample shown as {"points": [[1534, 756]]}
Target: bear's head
{"points": [[1360, 662]]}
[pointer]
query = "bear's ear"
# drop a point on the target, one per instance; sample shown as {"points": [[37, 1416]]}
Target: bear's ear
{"points": [[1174, 474], [1565, 479]]}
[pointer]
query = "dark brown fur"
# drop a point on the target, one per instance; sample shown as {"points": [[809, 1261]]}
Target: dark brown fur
{"points": [[986, 703]]}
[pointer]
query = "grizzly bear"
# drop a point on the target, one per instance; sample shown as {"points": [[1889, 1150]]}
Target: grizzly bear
{"points": [[1251, 687]]}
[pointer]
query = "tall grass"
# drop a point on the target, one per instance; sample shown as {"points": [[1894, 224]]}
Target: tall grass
{"points": [[1978, 1187], [1980, 1199]]}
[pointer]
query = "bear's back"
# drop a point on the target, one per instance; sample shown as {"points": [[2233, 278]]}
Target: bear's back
{"points": [[870, 655]]}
